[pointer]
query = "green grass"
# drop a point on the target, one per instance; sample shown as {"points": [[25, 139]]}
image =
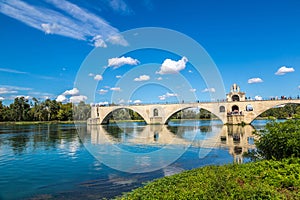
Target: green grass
{"points": [[256, 180]]}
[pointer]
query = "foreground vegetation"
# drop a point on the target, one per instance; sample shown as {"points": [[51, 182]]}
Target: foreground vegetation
{"points": [[278, 141], [258, 180], [274, 175]]}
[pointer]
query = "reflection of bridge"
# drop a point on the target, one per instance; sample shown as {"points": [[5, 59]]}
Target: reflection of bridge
{"points": [[235, 110], [237, 139]]}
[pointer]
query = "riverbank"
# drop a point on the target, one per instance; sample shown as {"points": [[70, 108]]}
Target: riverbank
{"points": [[41, 122], [256, 180]]}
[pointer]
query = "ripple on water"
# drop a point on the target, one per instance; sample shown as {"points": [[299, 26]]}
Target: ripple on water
{"points": [[49, 161]]}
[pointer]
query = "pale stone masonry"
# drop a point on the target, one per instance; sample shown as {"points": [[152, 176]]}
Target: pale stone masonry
{"points": [[237, 109]]}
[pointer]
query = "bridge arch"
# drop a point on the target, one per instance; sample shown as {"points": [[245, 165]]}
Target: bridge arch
{"points": [[269, 106], [106, 117], [170, 114]]}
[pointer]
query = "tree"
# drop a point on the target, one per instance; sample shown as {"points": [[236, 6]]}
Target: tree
{"points": [[65, 112], [82, 111], [20, 109], [287, 111], [278, 141]]}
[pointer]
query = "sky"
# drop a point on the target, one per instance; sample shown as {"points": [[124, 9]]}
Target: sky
{"points": [[66, 49]]}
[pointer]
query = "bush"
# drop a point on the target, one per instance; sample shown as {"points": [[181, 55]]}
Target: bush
{"points": [[258, 180], [278, 141]]}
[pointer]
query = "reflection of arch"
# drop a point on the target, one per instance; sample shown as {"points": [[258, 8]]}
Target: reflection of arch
{"points": [[235, 98], [235, 108], [155, 112], [249, 107], [222, 109], [109, 115]]}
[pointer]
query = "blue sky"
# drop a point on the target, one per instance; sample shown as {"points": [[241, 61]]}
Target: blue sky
{"points": [[44, 44]]}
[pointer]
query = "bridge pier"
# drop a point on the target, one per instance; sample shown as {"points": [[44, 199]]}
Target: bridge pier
{"points": [[235, 119]]}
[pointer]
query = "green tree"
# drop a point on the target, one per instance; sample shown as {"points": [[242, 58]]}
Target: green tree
{"points": [[65, 112], [1, 111], [278, 141], [287, 111], [20, 109], [82, 111]]}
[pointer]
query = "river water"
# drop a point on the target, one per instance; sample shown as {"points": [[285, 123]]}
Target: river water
{"points": [[64, 161]]}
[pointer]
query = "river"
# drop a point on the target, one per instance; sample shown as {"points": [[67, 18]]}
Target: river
{"points": [[64, 161]]}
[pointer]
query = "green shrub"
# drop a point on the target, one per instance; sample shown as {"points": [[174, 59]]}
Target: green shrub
{"points": [[258, 180], [278, 141]]}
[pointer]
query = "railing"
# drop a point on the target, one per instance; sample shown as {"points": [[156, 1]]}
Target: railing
{"points": [[198, 101]]}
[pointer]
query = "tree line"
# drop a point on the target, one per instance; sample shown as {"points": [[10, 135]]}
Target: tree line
{"points": [[287, 111], [23, 109]]}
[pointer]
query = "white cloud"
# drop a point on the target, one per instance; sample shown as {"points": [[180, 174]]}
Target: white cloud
{"points": [[171, 94], [118, 62], [192, 90], [103, 103], [73, 91], [98, 41], [121, 101], [7, 89], [120, 6], [159, 78], [142, 78], [91, 74], [257, 97], [137, 101], [163, 97], [102, 91], [209, 90], [77, 99], [61, 98], [4, 90], [12, 71], [167, 95], [115, 89], [255, 80], [171, 67], [65, 18], [117, 39], [2, 98], [283, 70], [98, 77], [118, 76], [50, 28]]}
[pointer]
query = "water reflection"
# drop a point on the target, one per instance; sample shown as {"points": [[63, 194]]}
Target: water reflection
{"points": [[31, 137], [50, 160], [151, 147]]}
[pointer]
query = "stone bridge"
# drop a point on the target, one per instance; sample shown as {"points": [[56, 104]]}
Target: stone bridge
{"points": [[235, 110]]}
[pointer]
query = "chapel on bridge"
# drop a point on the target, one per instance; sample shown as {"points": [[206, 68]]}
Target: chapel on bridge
{"points": [[235, 94]]}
